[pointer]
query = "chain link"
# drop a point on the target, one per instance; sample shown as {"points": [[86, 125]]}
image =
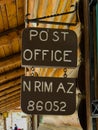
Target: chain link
{"points": [[65, 72]]}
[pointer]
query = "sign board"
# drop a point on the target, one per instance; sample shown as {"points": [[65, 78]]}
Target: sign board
{"points": [[48, 95], [49, 47]]}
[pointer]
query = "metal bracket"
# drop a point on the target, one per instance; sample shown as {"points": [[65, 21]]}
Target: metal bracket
{"points": [[95, 109], [39, 20]]}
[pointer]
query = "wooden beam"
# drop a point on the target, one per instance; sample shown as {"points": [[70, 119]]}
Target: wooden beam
{"points": [[9, 99], [9, 84], [11, 13], [11, 30], [2, 2], [7, 103], [11, 75], [9, 45], [10, 90], [10, 107], [20, 11], [4, 17], [10, 63], [1, 22], [87, 62], [10, 95]]}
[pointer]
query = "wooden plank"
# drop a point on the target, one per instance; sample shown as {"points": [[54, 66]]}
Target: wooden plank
{"points": [[4, 17], [9, 84], [10, 95], [87, 63], [11, 13], [2, 2], [10, 44], [10, 106], [10, 63], [7, 50], [11, 75], [4, 40], [11, 101], [2, 54], [10, 90], [1, 21], [15, 45], [12, 98], [20, 11]]}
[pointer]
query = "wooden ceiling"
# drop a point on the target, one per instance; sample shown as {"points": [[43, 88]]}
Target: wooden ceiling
{"points": [[11, 26], [12, 15]]}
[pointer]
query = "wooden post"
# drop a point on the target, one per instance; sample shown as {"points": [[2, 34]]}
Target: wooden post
{"points": [[4, 123], [87, 62]]}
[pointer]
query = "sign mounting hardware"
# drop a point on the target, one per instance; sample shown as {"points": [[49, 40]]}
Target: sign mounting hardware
{"points": [[39, 20]]}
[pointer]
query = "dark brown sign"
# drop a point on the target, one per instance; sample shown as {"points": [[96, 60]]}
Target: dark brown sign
{"points": [[46, 95], [49, 47]]}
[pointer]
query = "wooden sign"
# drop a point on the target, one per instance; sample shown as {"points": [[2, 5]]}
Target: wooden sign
{"points": [[49, 47], [48, 95]]}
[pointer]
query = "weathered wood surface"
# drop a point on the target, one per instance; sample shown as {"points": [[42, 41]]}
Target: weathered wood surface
{"points": [[11, 14], [11, 75]]}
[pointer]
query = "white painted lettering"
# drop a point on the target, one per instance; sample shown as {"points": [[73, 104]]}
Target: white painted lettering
{"points": [[56, 56], [48, 87], [37, 85], [26, 86], [43, 86], [71, 86], [44, 53], [52, 55], [65, 56], [33, 33], [56, 36], [65, 33], [60, 87], [27, 55], [36, 53], [43, 36]]}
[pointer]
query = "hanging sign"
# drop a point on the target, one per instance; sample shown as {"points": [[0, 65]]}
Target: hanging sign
{"points": [[49, 47], [48, 95]]}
